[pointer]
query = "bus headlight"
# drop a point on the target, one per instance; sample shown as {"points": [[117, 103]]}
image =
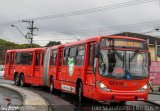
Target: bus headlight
{"points": [[102, 86], [144, 88]]}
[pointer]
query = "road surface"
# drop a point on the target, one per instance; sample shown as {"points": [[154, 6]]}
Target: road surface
{"points": [[9, 97], [67, 102]]}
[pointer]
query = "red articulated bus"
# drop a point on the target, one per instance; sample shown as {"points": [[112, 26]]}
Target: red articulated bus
{"points": [[105, 68]]}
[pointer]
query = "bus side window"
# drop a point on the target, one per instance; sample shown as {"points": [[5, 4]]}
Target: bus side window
{"points": [[29, 58], [18, 58], [7, 58], [61, 57], [66, 55], [80, 55], [12, 58], [72, 54], [37, 62], [91, 55], [42, 59], [53, 58]]}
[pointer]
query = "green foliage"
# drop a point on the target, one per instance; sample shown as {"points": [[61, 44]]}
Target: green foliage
{"points": [[29, 46], [6, 45], [11, 45], [53, 43]]}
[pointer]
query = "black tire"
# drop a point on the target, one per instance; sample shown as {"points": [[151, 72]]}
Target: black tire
{"points": [[51, 86], [122, 103], [80, 93], [16, 80], [22, 82]]}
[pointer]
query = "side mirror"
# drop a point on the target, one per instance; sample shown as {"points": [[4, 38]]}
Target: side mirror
{"points": [[97, 51]]}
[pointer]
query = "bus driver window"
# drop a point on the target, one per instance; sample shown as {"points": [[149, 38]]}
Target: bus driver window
{"points": [[111, 61], [107, 62]]}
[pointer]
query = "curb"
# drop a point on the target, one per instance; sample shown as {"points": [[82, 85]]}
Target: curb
{"points": [[155, 93], [31, 100], [154, 102]]}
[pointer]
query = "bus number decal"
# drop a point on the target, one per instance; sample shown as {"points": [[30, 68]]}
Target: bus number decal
{"points": [[116, 83]]}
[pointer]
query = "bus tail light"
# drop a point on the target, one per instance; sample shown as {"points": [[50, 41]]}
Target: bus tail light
{"points": [[102, 86], [144, 88]]}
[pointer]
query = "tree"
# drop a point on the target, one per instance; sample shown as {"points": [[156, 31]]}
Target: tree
{"points": [[53, 43], [6, 45], [29, 45]]}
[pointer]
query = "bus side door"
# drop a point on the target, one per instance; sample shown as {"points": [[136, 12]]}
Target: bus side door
{"points": [[7, 64], [89, 78], [12, 65], [38, 68], [60, 76]]}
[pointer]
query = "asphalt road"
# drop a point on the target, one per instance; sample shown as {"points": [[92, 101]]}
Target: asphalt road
{"points": [[9, 97], [67, 102]]}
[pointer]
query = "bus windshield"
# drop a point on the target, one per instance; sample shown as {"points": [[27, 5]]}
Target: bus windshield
{"points": [[123, 64]]}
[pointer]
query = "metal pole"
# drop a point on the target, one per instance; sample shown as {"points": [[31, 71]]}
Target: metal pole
{"points": [[32, 33], [155, 50]]}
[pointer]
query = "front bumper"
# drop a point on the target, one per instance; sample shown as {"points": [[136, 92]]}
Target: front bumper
{"points": [[120, 96]]}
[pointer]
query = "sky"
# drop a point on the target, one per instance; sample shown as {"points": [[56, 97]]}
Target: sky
{"points": [[89, 18]]}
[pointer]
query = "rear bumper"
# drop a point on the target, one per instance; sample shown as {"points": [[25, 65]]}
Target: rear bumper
{"points": [[120, 96]]}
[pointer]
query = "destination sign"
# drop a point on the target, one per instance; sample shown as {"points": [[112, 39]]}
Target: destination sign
{"points": [[124, 43]]}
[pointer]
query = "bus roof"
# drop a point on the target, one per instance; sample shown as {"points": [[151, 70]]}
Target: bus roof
{"points": [[99, 38], [92, 39], [28, 49]]}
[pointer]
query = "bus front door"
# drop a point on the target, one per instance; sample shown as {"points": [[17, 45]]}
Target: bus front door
{"points": [[89, 84]]}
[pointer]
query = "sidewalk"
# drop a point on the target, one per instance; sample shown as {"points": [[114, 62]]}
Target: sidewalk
{"points": [[157, 93], [154, 98], [31, 99]]}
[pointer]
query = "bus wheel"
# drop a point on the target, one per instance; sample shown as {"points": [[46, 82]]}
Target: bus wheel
{"points": [[122, 103], [16, 80], [22, 81], [51, 86], [80, 92]]}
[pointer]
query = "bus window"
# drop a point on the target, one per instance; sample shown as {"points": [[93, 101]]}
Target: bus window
{"points": [[37, 62], [80, 55], [42, 58], [29, 58], [72, 55], [12, 58], [53, 58], [91, 55], [7, 59], [18, 58], [61, 57], [66, 55]]}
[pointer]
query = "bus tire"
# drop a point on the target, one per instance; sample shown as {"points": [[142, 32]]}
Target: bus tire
{"points": [[122, 103], [80, 92], [22, 82], [51, 86], [16, 80]]}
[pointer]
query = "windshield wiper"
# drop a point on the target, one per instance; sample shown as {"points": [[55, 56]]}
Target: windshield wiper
{"points": [[119, 55], [134, 55]]}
